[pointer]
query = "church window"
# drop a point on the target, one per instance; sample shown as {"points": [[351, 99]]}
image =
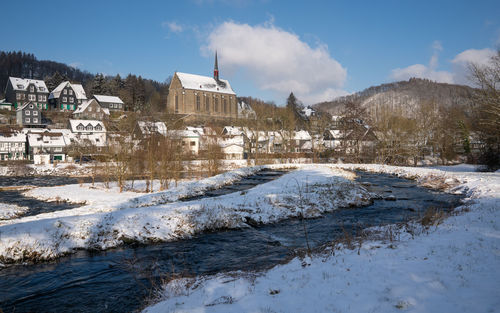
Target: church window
{"points": [[225, 106], [197, 103], [216, 104], [207, 103], [176, 103]]}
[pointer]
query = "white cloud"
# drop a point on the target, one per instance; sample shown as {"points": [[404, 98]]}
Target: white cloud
{"points": [[460, 66], [471, 56], [277, 60], [173, 27], [425, 71], [480, 57]]}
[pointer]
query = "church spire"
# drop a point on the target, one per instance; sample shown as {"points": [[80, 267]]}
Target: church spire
{"points": [[216, 68]]}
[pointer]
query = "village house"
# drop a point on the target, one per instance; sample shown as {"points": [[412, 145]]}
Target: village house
{"points": [[233, 148], [110, 103], [332, 139], [29, 115], [246, 111], [90, 109], [88, 133], [202, 95], [146, 129], [67, 96], [12, 146], [46, 146], [189, 140], [19, 91]]}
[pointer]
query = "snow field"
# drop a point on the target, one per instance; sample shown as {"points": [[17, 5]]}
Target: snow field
{"points": [[451, 267], [110, 219]]}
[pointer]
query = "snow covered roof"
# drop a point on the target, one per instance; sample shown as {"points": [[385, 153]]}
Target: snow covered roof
{"points": [[47, 139], [198, 130], [301, 135], [232, 131], [82, 107], [108, 99], [94, 123], [308, 111], [95, 139], [204, 83], [183, 134], [13, 137], [77, 88], [22, 84], [148, 128]]}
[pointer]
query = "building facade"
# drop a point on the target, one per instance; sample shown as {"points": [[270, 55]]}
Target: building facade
{"points": [[202, 95], [67, 97], [29, 115], [111, 103], [90, 109], [12, 146], [19, 91]]}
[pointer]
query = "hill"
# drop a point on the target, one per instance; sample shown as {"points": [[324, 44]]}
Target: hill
{"points": [[405, 97]]}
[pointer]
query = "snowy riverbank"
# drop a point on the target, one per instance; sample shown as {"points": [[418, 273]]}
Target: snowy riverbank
{"points": [[109, 218], [448, 267]]}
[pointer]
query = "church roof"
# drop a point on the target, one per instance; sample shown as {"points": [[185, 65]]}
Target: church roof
{"points": [[204, 83]]}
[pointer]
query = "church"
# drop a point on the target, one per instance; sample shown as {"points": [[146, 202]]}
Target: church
{"points": [[202, 95]]}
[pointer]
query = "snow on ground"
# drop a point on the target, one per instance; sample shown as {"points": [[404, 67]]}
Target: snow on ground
{"points": [[458, 168], [450, 267], [110, 218], [9, 211]]}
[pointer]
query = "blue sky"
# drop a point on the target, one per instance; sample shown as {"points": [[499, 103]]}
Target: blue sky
{"points": [[317, 49]]}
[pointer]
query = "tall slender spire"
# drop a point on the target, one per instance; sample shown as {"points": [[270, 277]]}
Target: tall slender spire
{"points": [[216, 68]]}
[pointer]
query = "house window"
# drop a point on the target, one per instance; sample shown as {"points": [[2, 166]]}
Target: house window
{"points": [[70, 92], [35, 113], [207, 103], [197, 103], [65, 99], [193, 143], [27, 120], [80, 127], [28, 112], [89, 127], [35, 120], [98, 127], [71, 99], [40, 97], [18, 96], [32, 89], [32, 97], [65, 92], [41, 88]]}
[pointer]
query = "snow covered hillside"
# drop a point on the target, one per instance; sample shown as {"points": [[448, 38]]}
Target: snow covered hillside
{"points": [[110, 219], [450, 266]]}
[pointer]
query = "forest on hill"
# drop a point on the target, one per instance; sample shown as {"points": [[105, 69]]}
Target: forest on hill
{"points": [[139, 94], [405, 96]]}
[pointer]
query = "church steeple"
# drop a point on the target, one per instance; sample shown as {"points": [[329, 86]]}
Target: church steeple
{"points": [[216, 68]]}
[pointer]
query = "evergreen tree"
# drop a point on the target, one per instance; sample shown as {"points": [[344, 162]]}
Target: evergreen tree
{"points": [[98, 85], [53, 81]]}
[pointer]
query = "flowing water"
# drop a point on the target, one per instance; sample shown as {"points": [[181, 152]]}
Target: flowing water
{"points": [[119, 280]]}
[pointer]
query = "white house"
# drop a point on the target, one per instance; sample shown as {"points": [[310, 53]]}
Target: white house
{"points": [[145, 129], [190, 140], [12, 146], [233, 148], [46, 146], [88, 131]]}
